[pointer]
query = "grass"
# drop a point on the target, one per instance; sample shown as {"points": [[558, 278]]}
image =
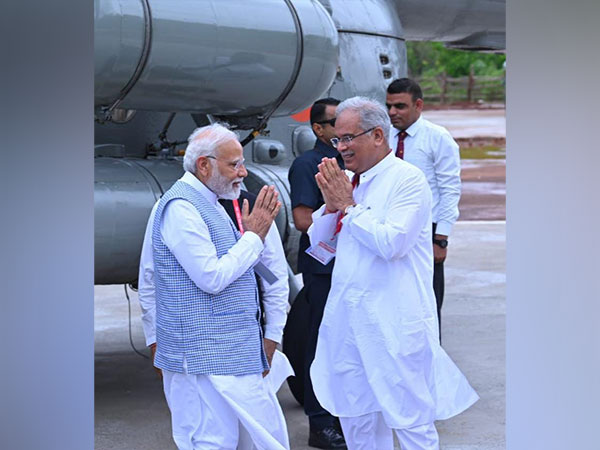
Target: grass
{"points": [[486, 152]]}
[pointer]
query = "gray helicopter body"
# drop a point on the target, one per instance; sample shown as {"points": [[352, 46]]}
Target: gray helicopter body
{"points": [[162, 68]]}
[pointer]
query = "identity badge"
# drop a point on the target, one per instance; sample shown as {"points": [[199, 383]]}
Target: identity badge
{"points": [[323, 251]]}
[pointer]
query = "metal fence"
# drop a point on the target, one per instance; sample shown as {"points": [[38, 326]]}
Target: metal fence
{"points": [[470, 89]]}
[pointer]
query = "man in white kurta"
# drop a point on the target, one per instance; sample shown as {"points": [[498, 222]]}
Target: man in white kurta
{"points": [[274, 295], [378, 364], [275, 301], [211, 409]]}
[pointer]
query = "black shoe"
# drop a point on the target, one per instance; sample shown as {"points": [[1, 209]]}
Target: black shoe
{"points": [[337, 425], [326, 438]]}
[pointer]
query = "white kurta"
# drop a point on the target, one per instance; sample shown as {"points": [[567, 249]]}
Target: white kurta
{"points": [[275, 296], [378, 346], [217, 412], [206, 410]]}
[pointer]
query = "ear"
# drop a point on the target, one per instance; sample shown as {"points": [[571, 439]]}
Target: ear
{"points": [[203, 167], [317, 129], [378, 135], [419, 104]]}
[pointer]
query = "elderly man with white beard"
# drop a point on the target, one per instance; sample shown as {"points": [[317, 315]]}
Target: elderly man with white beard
{"points": [[197, 271], [379, 365]]}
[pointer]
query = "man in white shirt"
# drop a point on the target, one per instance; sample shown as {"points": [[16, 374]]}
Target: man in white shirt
{"points": [[431, 148], [379, 365], [306, 197], [200, 304], [274, 296]]}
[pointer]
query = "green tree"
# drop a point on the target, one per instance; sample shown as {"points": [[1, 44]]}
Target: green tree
{"points": [[432, 58]]}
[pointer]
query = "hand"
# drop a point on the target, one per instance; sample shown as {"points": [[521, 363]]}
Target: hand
{"points": [[439, 253], [265, 209], [270, 347], [153, 351], [335, 185]]}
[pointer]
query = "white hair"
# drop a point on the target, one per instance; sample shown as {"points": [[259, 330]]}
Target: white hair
{"points": [[205, 141], [371, 113]]}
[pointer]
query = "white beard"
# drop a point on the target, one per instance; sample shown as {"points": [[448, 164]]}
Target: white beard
{"points": [[232, 194], [222, 187]]}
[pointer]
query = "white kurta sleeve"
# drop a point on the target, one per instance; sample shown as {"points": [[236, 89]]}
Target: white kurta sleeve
{"points": [[396, 234], [186, 235], [275, 296], [446, 166], [146, 294], [322, 227]]}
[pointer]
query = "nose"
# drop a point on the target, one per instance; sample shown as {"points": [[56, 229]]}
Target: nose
{"points": [[341, 145], [242, 172]]}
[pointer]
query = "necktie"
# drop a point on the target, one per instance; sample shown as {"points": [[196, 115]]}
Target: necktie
{"points": [[400, 146]]}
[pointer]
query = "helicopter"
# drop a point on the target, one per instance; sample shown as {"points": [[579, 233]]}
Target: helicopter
{"points": [[164, 68]]}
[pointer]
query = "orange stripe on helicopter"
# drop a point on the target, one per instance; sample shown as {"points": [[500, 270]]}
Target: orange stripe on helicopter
{"points": [[302, 116]]}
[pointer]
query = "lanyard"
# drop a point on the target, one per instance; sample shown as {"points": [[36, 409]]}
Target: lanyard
{"points": [[238, 215]]}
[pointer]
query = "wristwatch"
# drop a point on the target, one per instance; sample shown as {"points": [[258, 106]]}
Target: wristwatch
{"points": [[443, 243]]}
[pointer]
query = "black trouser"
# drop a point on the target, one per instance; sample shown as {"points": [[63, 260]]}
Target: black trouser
{"points": [[317, 288], [438, 288]]}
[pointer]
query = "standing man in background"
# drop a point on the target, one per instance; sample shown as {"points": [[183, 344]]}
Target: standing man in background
{"points": [[431, 148], [199, 295], [306, 198]]}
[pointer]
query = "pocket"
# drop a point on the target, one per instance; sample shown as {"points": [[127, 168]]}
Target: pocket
{"points": [[234, 301]]}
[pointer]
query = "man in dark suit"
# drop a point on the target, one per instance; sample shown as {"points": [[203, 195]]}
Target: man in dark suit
{"points": [[306, 198]]}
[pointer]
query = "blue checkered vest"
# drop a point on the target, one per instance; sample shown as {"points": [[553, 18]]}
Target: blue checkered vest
{"points": [[218, 334]]}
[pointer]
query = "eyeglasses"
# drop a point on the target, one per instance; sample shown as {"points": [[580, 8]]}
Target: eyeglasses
{"points": [[330, 122], [348, 138], [235, 165]]}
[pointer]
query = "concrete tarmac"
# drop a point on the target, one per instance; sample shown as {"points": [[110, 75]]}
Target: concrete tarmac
{"points": [[469, 123], [131, 413]]}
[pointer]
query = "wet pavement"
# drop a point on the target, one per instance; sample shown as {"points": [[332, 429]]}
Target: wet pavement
{"points": [[468, 123], [131, 412], [483, 195]]}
